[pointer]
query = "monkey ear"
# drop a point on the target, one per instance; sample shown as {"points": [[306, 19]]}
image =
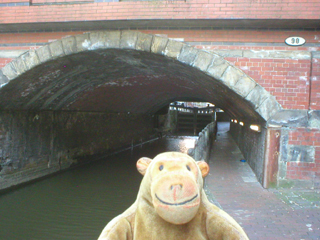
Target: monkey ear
{"points": [[204, 168], [143, 164]]}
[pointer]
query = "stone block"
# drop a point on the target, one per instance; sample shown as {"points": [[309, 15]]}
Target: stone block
{"points": [[257, 96], [203, 60], [229, 53], [30, 59], [83, 42], [112, 39], [268, 108], [218, 67], [105, 39], [56, 49], [144, 42], [173, 49], [9, 71], [11, 53], [300, 153], [231, 76], [159, 45], [19, 65], [44, 53], [244, 86], [128, 39], [3, 79], [316, 54], [277, 54], [188, 54], [314, 119], [290, 118], [97, 40], [290, 54], [69, 45]]}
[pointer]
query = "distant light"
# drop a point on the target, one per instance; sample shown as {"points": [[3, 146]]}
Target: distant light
{"points": [[231, 120], [236, 121], [241, 123], [256, 128]]}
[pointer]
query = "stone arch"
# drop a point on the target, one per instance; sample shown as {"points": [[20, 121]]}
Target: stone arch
{"points": [[210, 63]]}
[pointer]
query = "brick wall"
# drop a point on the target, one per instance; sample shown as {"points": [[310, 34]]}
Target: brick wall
{"points": [[286, 79], [300, 169], [190, 9]]}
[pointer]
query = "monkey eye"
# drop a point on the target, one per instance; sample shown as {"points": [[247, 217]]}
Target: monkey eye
{"points": [[160, 167], [188, 168]]}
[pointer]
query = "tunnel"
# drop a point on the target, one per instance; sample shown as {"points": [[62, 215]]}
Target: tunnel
{"points": [[90, 94]]}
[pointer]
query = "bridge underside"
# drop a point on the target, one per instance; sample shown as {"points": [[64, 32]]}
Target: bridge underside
{"points": [[115, 81], [60, 112]]}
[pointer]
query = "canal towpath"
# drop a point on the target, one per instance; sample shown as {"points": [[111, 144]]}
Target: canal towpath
{"points": [[265, 214]]}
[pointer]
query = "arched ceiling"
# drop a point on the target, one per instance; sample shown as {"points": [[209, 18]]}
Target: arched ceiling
{"points": [[101, 79], [115, 80]]}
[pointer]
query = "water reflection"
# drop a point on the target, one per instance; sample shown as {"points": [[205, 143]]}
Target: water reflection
{"points": [[77, 204]]}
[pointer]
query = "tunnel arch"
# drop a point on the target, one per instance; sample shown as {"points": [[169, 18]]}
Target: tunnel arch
{"points": [[233, 90]]}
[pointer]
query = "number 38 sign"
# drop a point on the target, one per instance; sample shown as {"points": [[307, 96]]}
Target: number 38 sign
{"points": [[295, 41]]}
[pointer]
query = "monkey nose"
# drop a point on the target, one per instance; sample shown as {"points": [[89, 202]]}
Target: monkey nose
{"points": [[176, 186]]}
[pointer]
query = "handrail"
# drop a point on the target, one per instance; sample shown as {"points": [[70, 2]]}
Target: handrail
{"points": [[181, 108]]}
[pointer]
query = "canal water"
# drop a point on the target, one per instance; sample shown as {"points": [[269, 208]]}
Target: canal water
{"points": [[77, 204]]}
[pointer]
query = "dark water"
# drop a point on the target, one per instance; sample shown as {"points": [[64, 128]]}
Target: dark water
{"points": [[77, 204]]}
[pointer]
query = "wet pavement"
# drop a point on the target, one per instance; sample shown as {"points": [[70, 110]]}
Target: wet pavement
{"points": [[263, 213]]}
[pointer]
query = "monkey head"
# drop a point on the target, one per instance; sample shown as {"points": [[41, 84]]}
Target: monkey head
{"points": [[174, 183]]}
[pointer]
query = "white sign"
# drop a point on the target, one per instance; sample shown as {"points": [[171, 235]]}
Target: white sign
{"points": [[295, 41]]}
